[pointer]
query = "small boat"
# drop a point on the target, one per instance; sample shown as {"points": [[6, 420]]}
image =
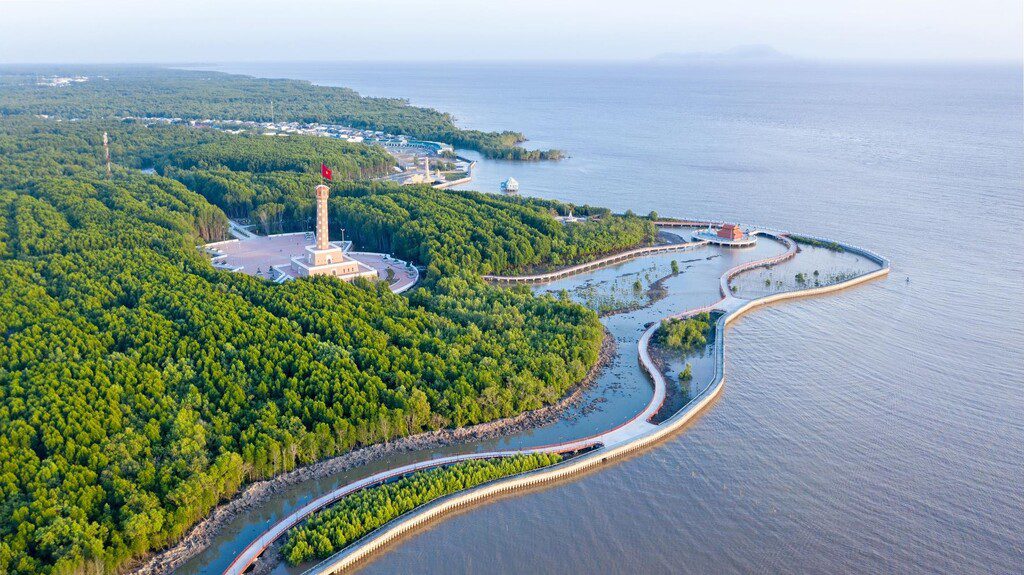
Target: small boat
{"points": [[510, 186]]}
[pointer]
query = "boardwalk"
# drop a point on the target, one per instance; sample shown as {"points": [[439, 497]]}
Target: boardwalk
{"points": [[631, 435], [723, 282], [595, 264]]}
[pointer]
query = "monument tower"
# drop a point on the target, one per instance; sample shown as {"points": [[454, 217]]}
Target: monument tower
{"points": [[322, 231], [324, 257]]}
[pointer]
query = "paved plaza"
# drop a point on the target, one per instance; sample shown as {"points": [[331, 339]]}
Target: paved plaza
{"points": [[259, 255], [404, 275]]}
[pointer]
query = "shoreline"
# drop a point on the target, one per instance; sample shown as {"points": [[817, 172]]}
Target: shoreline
{"points": [[601, 261], [199, 537], [610, 444]]}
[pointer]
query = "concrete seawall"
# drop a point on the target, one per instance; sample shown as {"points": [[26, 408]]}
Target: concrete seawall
{"points": [[791, 250], [732, 309], [595, 264]]}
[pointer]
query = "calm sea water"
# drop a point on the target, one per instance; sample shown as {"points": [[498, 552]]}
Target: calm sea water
{"points": [[876, 430]]}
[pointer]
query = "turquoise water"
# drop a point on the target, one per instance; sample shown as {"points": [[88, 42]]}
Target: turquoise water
{"points": [[875, 430]]}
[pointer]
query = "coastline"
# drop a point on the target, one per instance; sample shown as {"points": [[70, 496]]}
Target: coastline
{"points": [[199, 537], [600, 262], [830, 437], [610, 444], [628, 437]]}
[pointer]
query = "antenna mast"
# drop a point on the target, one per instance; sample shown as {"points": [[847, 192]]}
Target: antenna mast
{"points": [[106, 151]]}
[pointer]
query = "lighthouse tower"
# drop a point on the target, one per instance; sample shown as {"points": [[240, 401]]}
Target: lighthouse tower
{"points": [[325, 257]]}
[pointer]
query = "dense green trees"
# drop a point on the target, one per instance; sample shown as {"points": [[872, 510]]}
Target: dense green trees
{"points": [[139, 386], [354, 516], [149, 92], [457, 231], [241, 194], [451, 231], [685, 335], [295, 153]]}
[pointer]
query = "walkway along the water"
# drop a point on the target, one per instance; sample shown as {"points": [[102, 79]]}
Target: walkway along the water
{"points": [[598, 263], [631, 435]]}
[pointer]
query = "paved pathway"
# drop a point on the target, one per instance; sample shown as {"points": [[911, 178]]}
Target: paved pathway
{"points": [[405, 276], [598, 263]]}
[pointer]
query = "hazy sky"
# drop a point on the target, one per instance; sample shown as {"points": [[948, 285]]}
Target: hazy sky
{"points": [[257, 30]]}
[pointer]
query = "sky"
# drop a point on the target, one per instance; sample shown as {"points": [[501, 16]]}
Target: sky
{"points": [[207, 31]]}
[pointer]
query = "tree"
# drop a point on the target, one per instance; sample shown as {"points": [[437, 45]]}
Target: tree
{"points": [[687, 373], [269, 216], [364, 511], [141, 386]]}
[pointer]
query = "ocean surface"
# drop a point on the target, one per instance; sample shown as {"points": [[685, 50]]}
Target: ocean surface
{"points": [[879, 429]]}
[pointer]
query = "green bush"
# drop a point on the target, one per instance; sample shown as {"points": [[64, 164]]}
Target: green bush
{"points": [[685, 335]]}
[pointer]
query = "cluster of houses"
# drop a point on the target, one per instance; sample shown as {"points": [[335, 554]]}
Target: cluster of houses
{"points": [[337, 131], [56, 81], [408, 151]]}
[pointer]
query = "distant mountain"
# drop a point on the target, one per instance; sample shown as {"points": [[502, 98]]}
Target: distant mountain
{"points": [[751, 52]]}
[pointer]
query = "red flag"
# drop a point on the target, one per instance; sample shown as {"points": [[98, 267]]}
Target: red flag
{"points": [[325, 171]]}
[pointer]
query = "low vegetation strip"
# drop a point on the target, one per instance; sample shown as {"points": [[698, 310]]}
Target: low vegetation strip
{"points": [[360, 513], [829, 245]]}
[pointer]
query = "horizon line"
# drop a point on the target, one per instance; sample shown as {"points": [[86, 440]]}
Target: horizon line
{"points": [[654, 60]]}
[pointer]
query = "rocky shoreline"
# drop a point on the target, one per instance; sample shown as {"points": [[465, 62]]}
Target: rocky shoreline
{"points": [[200, 536]]}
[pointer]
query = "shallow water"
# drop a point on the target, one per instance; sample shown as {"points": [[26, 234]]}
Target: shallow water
{"points": [[873, 430], [813, 267], [618, 394]]}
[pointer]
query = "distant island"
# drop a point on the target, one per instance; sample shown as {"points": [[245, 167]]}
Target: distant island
{"points": [[746, 53]]}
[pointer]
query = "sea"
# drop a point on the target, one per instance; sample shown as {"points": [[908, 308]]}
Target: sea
{"points": [[876, 430]]}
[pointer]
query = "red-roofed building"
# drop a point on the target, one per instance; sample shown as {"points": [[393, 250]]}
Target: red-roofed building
{"points": [[730, 232]]}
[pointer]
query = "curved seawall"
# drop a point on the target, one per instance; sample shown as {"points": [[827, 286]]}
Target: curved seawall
{"points": [[630, 436], [598, 263]]}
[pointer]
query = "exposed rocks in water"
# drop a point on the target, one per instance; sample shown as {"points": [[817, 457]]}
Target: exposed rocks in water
{"points": [[270, 559], [205, 531]]}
